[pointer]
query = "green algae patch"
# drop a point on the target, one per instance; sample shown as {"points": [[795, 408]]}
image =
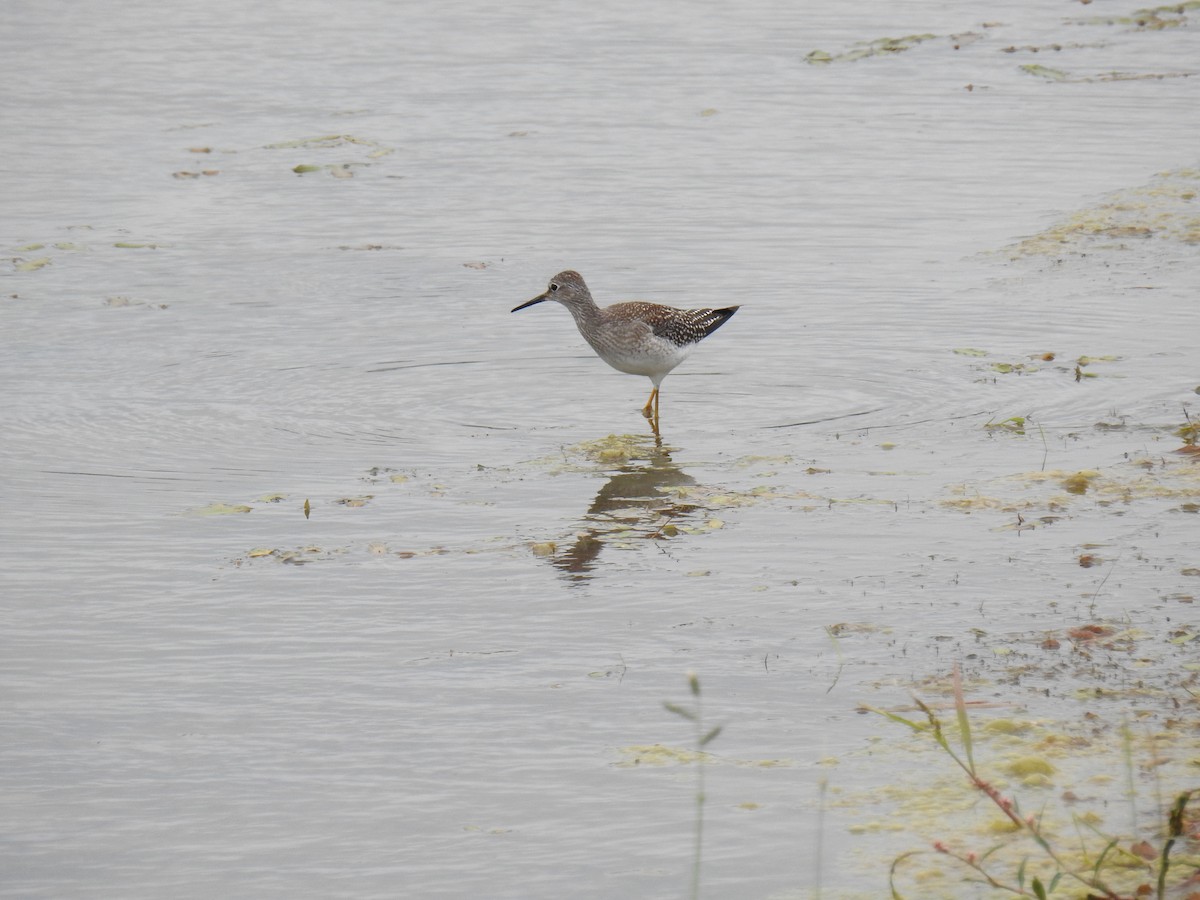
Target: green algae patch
{"points": [[660, 756], [1161, 209], [1079, 482], [327, 141], [222, 509], [865, 49], [1045, 72], [363, 152], [764, 460], [1055, 491], [1153, 18], [32, 265], [1025, 766], [1005, 726], [616, 448], [1013, 424], [307, 554], [1017, 368], [1001, 822]]}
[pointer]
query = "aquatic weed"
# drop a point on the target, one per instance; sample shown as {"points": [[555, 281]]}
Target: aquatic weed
{"points": [[1089, 876]]}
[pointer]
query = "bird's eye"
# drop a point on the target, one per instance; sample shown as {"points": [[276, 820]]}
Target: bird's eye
{"points": [[553, 286]]}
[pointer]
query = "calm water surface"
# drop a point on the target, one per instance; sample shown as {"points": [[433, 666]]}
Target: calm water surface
{"points": [[448, 680]]}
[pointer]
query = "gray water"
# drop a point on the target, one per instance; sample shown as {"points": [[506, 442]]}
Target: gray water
{"points": [[448, 680]]}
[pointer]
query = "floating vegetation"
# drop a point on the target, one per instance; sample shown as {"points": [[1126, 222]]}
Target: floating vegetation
{"points": [[296, 557], [22, 264], [1059, 75], [661, 755], [1051, 48], [1140, 479], [1013, 424], [990, 370], [1030, 852], [337, 170], [1045, 72], [312, 553], [1162, 209], [1154, 18], [1078, 482], [31, 265], [122, 302], [369, 151], [1189, 431], [878, 47], [1013, 368], [333, 140], [222, 509]]}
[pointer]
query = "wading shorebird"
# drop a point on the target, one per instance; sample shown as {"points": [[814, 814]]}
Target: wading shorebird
{"points": [[637, 338]]}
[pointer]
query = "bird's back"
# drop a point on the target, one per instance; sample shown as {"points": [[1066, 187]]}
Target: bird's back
{"points": [[679, 326]]}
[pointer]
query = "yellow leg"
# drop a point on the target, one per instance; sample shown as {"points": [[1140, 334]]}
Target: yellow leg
{"points": [[650, 410]]}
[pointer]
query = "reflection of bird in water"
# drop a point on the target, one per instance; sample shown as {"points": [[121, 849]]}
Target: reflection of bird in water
{"points": [[638, 338], [636, 499]]}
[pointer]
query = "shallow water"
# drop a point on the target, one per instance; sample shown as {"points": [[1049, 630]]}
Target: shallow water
{"points": [[448, 679]]}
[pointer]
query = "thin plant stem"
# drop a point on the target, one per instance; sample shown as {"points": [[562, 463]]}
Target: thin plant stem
{"points": [[695, 715], [822, 787]]}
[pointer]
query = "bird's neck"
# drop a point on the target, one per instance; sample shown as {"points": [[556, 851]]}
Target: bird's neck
{"points": [[585, 313]]}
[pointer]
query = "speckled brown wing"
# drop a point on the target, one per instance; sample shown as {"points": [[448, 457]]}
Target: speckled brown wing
{"points": [[690, 326]]}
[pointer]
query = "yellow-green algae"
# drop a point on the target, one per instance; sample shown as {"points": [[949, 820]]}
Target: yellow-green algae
{"points": [[1162, 209], [1076, 818], [369, 149], [1059, 75], [222, 509], [1153, 18], [32, 265], [865, 49], [662, 755], [1141, 478]]}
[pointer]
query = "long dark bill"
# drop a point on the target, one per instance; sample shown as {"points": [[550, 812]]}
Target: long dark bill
{"points": [[537, 299]]}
